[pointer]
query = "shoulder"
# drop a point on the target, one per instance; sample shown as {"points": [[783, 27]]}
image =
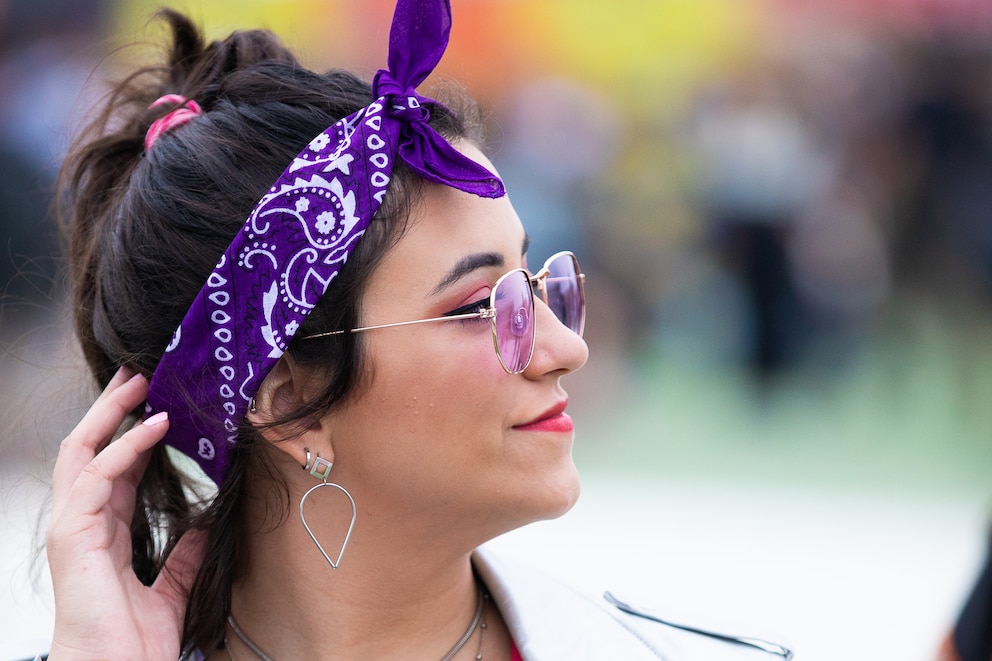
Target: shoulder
{"points": [[551, 621]]}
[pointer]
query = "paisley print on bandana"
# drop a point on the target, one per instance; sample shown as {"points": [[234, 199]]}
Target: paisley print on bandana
{"points": [[296, 240]]}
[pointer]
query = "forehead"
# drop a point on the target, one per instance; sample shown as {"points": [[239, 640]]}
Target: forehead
{"points": [[447, 226]]}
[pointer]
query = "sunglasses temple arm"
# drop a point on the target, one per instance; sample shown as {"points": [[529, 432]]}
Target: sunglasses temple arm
{"points": [[482, 314]]}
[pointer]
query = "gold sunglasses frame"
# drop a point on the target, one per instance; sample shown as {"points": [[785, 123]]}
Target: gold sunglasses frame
{"points": [[538, 279]]}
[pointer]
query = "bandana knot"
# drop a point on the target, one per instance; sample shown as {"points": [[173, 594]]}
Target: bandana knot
{"points": [[402, 102], [408, 109]]}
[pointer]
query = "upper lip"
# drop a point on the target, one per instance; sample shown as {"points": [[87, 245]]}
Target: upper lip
{"points": [[552, 412]]}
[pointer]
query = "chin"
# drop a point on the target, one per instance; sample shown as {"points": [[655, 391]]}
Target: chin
{"points": [[560, 494], [538, 499]]}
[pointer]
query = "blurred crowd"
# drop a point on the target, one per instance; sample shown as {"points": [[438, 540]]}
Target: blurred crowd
{"points": [[840, 179]]}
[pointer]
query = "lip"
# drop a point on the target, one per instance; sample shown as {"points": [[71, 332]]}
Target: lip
{"points": [[553, 420]]}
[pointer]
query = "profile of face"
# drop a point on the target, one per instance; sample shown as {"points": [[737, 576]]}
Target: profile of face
{"points": [[439, 433]]}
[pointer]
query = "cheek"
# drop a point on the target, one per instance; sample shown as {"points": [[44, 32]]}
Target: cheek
{"points": [[465, 396], [459, 362], [438, 384], [420, 429]]}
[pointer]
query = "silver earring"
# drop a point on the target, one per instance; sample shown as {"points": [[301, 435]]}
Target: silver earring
{"points": [[306, 466], [251, 406], [321, 469]]}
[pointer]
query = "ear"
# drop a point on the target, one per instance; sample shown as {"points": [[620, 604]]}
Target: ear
{"points": [[283, 391]]}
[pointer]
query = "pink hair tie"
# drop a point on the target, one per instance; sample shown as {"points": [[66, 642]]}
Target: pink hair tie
{"points": [[187, 110]]}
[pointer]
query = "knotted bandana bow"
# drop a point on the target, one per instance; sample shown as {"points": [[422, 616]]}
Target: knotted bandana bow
{"points": [[298, 237]]}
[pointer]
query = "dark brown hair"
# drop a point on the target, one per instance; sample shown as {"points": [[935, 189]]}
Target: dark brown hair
{"points": [[145, 229]]}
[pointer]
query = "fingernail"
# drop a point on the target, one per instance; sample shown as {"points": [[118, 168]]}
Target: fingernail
{"points": [[158, 418]]}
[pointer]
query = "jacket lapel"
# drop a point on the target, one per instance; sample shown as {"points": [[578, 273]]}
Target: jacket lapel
{"points": [[550, 621]]}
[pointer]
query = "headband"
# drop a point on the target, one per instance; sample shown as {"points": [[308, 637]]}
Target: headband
{"points": [[298, 237]]}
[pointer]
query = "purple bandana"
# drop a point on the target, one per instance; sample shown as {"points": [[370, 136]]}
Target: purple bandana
{"points": [[298, 237]]}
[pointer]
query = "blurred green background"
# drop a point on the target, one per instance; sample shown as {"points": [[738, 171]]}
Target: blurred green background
{"points": [[784, 209]]}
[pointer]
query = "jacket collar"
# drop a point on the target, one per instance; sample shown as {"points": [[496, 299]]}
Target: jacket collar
{"points": [[550, 621]]}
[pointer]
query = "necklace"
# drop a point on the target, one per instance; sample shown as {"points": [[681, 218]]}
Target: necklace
{"points": [[479, 606], [477, 623], [244, 639], [482, 627]]}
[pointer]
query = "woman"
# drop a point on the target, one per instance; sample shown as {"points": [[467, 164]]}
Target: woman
{"points": [[397, 353]]}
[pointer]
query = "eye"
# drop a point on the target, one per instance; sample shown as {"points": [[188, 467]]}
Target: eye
{"points": [[471, 308]]}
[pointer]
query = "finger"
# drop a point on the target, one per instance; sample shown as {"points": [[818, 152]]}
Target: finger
{"points": [[93, 486], [105, 416], [95, 430], [121, 376], [176, 579]]}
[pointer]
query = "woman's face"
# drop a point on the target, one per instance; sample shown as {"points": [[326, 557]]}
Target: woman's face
{"points": [[437, 435]]}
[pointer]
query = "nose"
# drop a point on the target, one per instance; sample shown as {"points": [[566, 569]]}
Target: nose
{"points": [[556, 347]]}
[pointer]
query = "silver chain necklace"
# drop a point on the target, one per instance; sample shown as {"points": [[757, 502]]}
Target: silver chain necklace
{"points": [[476, 623]]}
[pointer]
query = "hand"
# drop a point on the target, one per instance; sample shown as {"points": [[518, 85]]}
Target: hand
{"points": [[102, 611]]}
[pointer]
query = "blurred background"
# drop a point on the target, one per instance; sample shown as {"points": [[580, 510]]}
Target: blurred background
{"points": [[784, 210]]}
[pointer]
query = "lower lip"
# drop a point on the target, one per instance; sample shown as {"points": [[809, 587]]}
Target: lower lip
{"points": [[559, 423]]}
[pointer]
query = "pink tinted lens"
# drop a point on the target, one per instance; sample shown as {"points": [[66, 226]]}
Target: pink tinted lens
{"points": [[566, 297], [514, 320]]}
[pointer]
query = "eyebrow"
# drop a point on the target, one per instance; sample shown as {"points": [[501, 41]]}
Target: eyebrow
{"points": [[472, 262], [465, 266]]}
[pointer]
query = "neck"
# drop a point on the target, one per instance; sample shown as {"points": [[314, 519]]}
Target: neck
{"points": [[394, 590]]}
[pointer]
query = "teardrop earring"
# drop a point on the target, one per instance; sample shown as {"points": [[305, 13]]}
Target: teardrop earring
{"points": [[321, 468]]}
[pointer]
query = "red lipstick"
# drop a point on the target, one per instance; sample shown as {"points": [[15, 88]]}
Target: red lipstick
{"points": [[553, 420]]}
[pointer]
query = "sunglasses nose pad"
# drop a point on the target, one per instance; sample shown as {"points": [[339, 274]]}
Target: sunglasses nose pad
{"points": [[520, 322]]}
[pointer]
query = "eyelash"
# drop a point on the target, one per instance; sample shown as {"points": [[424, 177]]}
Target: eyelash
{"points": [[477, 306]]}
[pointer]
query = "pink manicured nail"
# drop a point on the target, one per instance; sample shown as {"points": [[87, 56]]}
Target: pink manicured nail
{"points": [[159, 417]]}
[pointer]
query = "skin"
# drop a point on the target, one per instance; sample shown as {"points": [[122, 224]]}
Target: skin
{"points": [[89, 542], [429, 451]]}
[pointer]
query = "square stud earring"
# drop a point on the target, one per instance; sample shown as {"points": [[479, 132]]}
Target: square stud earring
{"points": [[321, 468]]}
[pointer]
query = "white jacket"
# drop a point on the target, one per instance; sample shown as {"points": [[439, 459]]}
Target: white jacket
{"points": [[550, 621]]}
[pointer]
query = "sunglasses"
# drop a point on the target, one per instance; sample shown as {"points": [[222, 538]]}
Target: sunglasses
{"points": [[560, 283]]}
